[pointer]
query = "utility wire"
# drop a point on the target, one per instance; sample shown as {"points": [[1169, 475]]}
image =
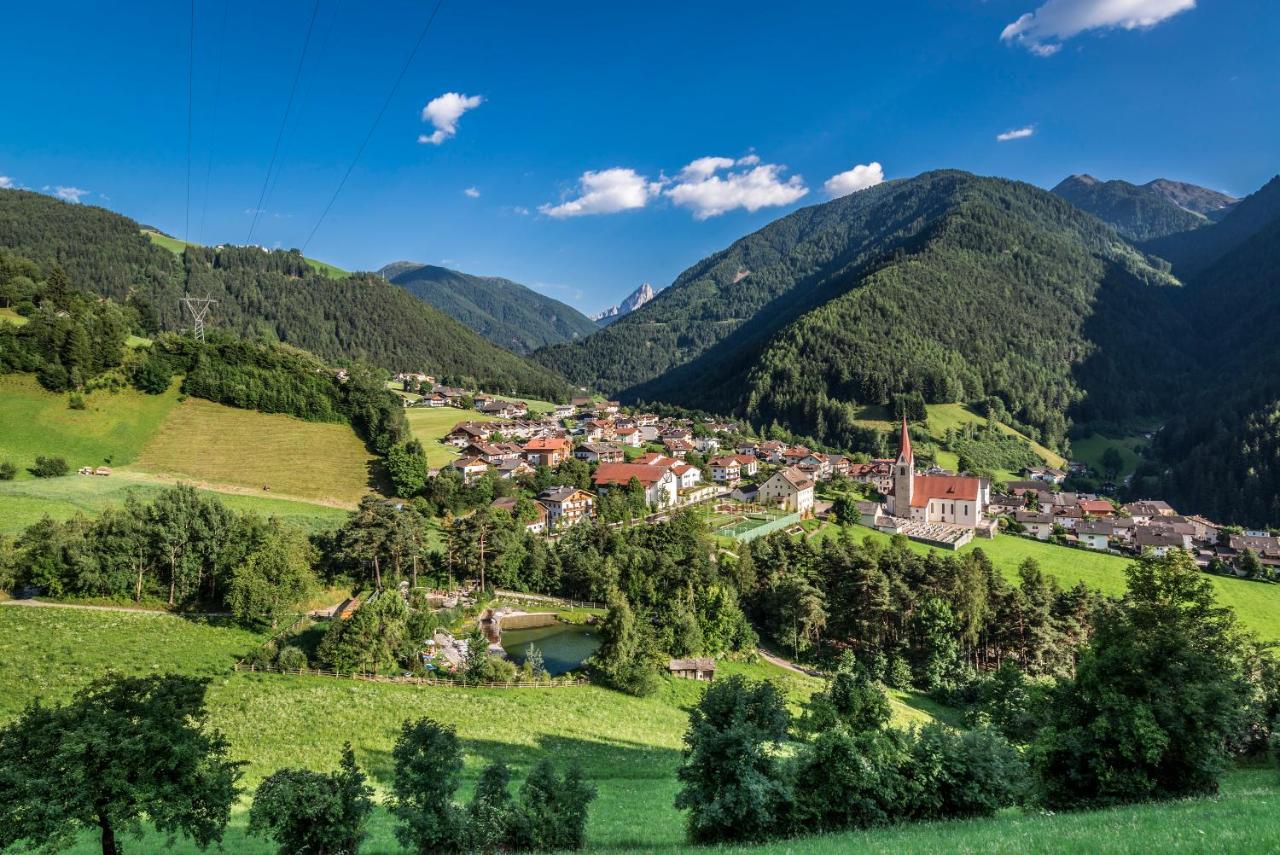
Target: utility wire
{"points": [[217, 98], [377, 119], [191, 72], [293, 90]]}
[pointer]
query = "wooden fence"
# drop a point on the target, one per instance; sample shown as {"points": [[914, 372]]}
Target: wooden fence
{"points": [[413, 681]]}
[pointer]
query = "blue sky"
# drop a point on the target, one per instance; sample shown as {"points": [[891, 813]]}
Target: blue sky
{"points": [[537, 95]]}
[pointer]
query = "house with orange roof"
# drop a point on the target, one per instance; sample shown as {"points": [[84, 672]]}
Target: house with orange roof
{"points": [[659, 482], [548, 451]]}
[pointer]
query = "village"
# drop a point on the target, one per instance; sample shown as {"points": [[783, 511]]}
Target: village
{"points": [[753, 487]]}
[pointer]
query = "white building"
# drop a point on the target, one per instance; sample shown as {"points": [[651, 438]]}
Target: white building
{"points": [[953, 499], [788, 488]]}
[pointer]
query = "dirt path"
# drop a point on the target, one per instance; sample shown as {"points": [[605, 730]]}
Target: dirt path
{"points": [[786, 664], [45, 604]]}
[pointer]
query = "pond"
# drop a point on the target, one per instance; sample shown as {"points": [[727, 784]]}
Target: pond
{"points": [[564, 646]]}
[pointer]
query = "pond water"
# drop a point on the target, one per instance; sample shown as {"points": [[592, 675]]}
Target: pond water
{"points": [[564, 646]]}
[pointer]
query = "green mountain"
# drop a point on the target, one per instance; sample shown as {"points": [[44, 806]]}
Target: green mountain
{"points": [[1221, 447], [270, 295], [1192, 253], [947, 285], [1213, 204], [1138, 213], [506, 313]]}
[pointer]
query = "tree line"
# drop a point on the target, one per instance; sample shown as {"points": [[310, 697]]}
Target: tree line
{"points": [[1157, 704]]}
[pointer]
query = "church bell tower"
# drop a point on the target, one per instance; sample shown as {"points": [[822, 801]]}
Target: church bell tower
{"points": [[903, 475]]}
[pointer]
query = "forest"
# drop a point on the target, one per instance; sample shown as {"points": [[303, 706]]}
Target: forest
{"points": [[272, 295]]}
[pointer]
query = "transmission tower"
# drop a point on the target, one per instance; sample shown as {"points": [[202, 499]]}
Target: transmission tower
{"points": [[199, 309]]}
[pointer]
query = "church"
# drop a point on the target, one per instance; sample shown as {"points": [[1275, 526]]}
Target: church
{"points": [[950, 499]]}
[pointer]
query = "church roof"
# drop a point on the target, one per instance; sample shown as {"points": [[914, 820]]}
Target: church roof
{"points": [[904, 443], [944, 487]]}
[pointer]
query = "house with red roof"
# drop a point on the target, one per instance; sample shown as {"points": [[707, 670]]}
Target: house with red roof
{"points": [[952, 499], [548, 451], [659, 482]]}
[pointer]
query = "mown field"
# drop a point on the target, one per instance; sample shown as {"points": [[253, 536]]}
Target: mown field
{"points": [[1256, 603], [242, 450], [629, 747], [1091, 448], [25, 502], [111, 430], [430, 424]]}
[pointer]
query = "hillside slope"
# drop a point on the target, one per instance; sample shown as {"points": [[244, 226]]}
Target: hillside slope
{"points": [[949, 285], [507, 313], [1138, 213], [275, 295], [1192, 253]]}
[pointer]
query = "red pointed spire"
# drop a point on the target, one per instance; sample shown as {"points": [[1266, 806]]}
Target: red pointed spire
{"points": [[904, 443]]}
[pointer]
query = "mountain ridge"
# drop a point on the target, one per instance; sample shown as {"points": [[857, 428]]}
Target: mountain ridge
{"points": [[505, 312], [633, 301]]}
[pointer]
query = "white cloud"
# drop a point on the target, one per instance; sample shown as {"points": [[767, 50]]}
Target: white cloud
{"points": [[861, 177], [521, 210], [701, 187], [70, 194], [472, 193], [444, 112], [606, 192], [1016, 133], [1043, 31], [6, 182]]}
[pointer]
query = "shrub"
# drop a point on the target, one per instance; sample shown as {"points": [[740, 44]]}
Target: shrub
{"points": [[8, 471], [550, 813], [851, 700], [848, 780], [428, 762], [76, 401], [50, 467], [291, 658], [305, 811], [731, 784], [954, 774], [489, 814]]}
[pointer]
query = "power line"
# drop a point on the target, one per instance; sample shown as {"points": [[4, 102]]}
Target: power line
{"points": [[377, 119], [217, 98], [293, 90], [191, 72]]}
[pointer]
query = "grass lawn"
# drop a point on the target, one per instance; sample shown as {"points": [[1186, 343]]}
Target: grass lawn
{"points": [[12, 317], [629, 747], [112, 429], [235, 450], [430, 424], [536, 407], [1090, 449], [25, 502], [1256, 603]]}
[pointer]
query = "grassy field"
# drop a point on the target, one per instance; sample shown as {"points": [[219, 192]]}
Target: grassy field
{"points": [[629, 747], [430, 424], [234, 450], [943, 416], [112, 429], [176, 246], [25, 502], [1090, 449], [12, 317], [1256, 603]]}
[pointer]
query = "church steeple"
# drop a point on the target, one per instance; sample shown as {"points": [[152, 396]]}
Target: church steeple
{"points": [[904, 479]]}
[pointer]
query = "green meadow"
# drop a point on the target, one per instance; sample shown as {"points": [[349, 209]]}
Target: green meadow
{"points": [[629, 747], [177, 245], [25, 502], [429, 425], [111, 430]]}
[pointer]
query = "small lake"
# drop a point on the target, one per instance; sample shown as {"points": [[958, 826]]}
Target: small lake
{"points": [[564, 646]]}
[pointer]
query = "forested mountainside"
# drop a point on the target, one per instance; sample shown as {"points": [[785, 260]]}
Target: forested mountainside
{"points": [[507, 313], [947, 284], [1192, 253], [1138, 213], [1222, 444], [273, 295]]}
